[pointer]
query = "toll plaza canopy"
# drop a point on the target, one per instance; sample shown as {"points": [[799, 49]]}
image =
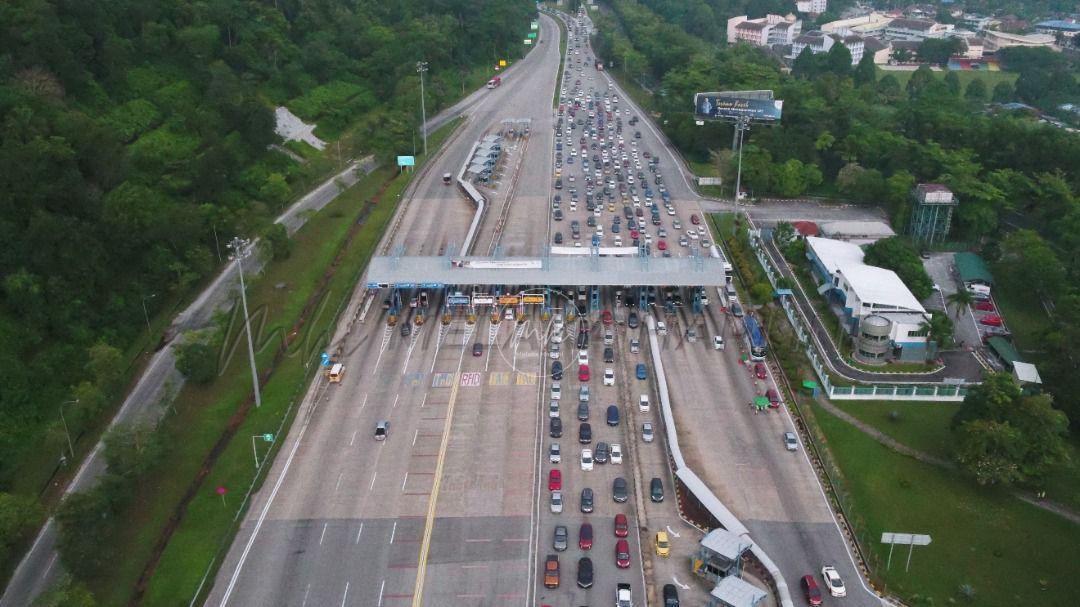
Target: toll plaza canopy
{"points": [[436, 272]]}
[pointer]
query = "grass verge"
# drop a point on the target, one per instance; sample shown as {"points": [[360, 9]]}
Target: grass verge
{"points": [[1007, 551], [201, 413], [991, 79], [563, 39]]}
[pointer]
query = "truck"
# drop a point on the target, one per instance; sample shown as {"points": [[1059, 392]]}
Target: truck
{"points": [[599, 66], [494, 82], [447, 178]]}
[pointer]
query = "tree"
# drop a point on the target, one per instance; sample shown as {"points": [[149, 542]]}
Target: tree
{"points": [[866, 71], [920, 81], [838, 60], [976, 91], [806, 65], [131, 450], [19, 517], [277, 238], [783, 234], [1005, 436], [1003, 92], [952, 81], [939, 50], [197, 360], [939, 328], [961, 301], [793, 178], [66, 593], [1028, 263], [888, 89], [896, 253]]}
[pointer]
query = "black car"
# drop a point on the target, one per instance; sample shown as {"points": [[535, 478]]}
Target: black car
{"points": [[612, 415], [587, 500], [618, 490], [671, 596], [632, 320], [584, 433], [584, 572], [556, 371], [656, 489], [556, 427], [583, 411], [582, 340], [558, 238], [406, 329], [609, 354], [602, 453]]}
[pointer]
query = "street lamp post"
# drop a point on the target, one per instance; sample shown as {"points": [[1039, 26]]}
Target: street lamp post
{"points": [[146, 316], [741, 126], [239, 247], [71, 449], [422, 66]]}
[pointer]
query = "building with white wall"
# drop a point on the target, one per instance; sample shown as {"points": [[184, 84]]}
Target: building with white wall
{"points": [[820, 42], [864, 25], [862, 291], [812, 7], [769, 30], [996, 41], [916, 29]]}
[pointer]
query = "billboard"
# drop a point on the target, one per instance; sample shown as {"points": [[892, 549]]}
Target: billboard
{"points": [[406, 161], [457, 300], [532, 299], [509, 300], [483, 300], [714, 106], [502, 62]]}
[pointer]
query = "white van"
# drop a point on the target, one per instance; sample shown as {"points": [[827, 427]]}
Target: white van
{"points": [[717, 342], [661, 328], [335, 373], [643, 403]]}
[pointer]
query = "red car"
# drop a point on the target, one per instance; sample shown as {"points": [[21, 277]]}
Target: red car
{"points": [[634, 234], [694, 219], [759, 370], [585, 536], [622, 554], [660, 244], [985, 306], [606, 316], [583, 372], [810, 588], [773, 396], [554, 480], [992, 320], [622, 528]]}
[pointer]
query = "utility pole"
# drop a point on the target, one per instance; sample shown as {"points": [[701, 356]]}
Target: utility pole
{"points": [[239, 248], [741, 125], [421, 66], [63, 421], [146, 316]]}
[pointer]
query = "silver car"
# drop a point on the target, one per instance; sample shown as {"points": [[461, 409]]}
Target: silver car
{"points": [[791, 442], [647, 432], [560, 539]]}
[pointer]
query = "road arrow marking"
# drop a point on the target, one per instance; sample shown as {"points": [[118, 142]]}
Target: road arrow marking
{"points": [[679, 584], [672, 531]]}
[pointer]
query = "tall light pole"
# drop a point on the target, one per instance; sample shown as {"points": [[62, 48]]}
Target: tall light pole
{"points": [[146, 316], [741, 125], [71, 449], [239, 248], [421, 66]]}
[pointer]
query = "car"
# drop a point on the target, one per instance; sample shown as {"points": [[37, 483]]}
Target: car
{"points": [[584, 572], [671, 596], [553, 409], [833, 581], [791, 442], [618, 490], [585, 433], [660, 244], [811, 590], [603, 452], [647, 432], [586, 459], [556, 370], [622, 554], [556, 391], [587, 500], [554, 453], [773, 396], [635, 346], [551, 571], [759, 370], [583, 411], [583, 373], [656, 489], [478, 349], [585, 536], [992, 320], [612, 415], [985, 306], [609, 377], [606, 317], [609, 354], [583, 355], [622, 527], [583, 394], [555, 427], [641, 371], [559, 539], [554, 480], [632, 320], [382, 430], [694, 219], [556, 502], [662, 544], [623, 598], [582, 340], [555, 350]]}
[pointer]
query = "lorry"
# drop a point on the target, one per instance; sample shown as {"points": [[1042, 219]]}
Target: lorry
{"points": [[494, 82]]}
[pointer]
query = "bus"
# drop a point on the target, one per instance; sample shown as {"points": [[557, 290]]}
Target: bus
{"points": [[755, 337]]}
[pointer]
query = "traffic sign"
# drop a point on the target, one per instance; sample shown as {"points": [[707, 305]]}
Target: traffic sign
{"points": [[268, 437]]}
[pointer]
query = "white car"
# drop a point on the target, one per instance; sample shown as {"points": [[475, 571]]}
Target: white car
{"points": [[643, 403], [555, 351], [583, 357], [556, 391], [833, 581], [554, 453], [586, 459], [616, 453], [647, 432], [556, 502], [791, 442], [609, 377], [553, 409]]}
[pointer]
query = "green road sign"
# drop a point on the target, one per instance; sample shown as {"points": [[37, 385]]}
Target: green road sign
{"points": [[268, 437], [532, 35]]}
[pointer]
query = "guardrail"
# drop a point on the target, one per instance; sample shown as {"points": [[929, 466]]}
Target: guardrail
{"points": [[695, 485], [477, 198]]}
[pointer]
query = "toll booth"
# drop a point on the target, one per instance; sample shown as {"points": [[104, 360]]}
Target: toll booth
{"points": [[736, 592], [720, 555]]}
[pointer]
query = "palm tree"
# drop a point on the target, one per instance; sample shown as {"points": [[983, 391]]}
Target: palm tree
{"points": [[961, 301], [939, 328]]}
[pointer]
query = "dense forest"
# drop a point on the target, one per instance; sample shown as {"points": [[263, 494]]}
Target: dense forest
{"points": [[135, 132], [848, 133]]}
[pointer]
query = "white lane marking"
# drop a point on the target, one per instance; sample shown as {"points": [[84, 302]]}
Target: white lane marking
{"points": [[363, 403], [443, 330], [338, 485], [373, 477], [382, 588], [306, 593], [387, 333], [396, 397], [412, 345], [50, 566], [415, 434], [405, 480], [393, 532], [346, 596], [423, 402], [323, 536], [361, 530], [353, 439]]}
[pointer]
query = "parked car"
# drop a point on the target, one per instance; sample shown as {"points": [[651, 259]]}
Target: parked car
{"points": [[555, 427], [551, 571], [662, 544], [616, 453], [556, 502], [554, 453], [613, 415], [622, 528], [559, 540], [556, 370], [585, 433], [622, 554], [603, 452], [585, 572], [554, 480], [583, 411], [759, 370], [587, 500], [585, 536], [985, 306], [992, 320], [656, 489], [583, 372], [618, 490], [773, 396]]}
